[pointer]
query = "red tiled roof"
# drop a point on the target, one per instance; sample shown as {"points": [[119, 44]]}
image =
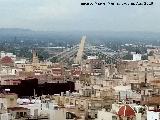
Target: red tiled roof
{"points": [[152, 100], [76, 72], [126, 110], [6, 60]]}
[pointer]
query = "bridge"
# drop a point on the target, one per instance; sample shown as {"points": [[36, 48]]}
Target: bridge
{"points": [[79, 56], [76, 53], [66, 53]]}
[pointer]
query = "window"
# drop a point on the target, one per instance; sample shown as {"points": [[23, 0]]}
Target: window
{"points": [[21, 114], [2, 106], [25, 114], [68, 115], [11, 99], [114, 118], [18, 115], [95, 115]]}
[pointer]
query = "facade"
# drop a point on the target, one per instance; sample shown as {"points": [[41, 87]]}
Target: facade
{"points": [[153, 115], [137, 57], [19, 112], [104, 115]]}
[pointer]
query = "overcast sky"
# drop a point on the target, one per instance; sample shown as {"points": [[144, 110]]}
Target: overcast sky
{"points": [[70, 15]]}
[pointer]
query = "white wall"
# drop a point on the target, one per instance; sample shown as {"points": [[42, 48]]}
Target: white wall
{"points": [[53, 114], [151, 115], [4, 102], [21, 61], [104, 115], [78, 85], [5, 116], [92, 57], [137, 57]]}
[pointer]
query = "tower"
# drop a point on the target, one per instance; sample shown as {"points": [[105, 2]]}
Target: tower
{"points": [[35, 57]]}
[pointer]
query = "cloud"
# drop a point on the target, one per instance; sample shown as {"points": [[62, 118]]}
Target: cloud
{"points": [[70, 15]]}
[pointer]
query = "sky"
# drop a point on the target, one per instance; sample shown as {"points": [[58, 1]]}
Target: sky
{"points": [[62, 15]]}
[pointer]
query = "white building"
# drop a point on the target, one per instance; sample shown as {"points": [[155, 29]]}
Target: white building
{"points": [[137, 57], [6, 70], [48, 109], [104, 115], [125, 92], [3, 109], [153, 115], [92, 57], [78, 85], [5, 116], [21, 61]]}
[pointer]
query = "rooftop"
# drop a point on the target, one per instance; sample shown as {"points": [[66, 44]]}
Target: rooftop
{"points": [[126, 110]]}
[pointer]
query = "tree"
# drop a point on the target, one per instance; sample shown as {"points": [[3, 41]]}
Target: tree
{"points": [[151, 53], [144, 57], [54, 59], [128, 57]]}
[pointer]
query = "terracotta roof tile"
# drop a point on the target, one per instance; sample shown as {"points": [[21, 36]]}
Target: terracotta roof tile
{"points": [[126, 110], [6, 60]]}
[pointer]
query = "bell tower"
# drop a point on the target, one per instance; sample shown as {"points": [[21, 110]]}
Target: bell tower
{"points": [[35, 57]]}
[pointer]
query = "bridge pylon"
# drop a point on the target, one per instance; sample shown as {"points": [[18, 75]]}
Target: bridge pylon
{"points": [[79, 56]]}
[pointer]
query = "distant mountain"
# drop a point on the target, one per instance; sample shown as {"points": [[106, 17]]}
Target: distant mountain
{"points": [[75, 36], [14, 31]]}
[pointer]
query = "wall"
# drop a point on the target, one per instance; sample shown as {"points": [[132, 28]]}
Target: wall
{"points": [[104, 115], [153, 115]]}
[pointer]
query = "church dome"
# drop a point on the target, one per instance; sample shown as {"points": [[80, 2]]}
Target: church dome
{"points": [[126, 111]]}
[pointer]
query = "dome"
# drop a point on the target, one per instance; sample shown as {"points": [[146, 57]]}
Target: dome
{"points": [[126, 110]]}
